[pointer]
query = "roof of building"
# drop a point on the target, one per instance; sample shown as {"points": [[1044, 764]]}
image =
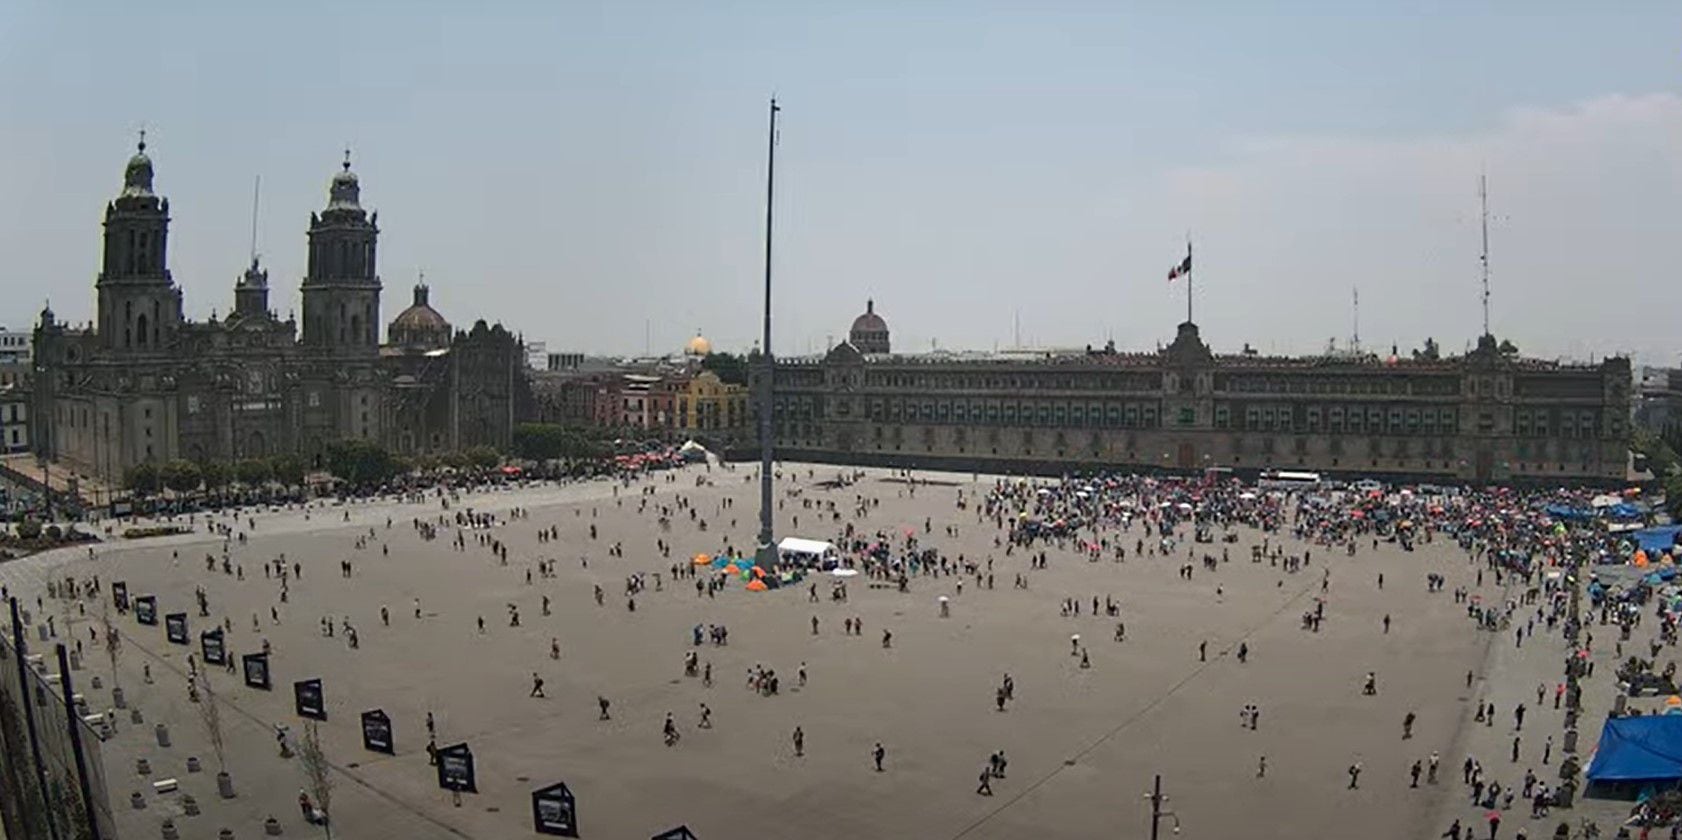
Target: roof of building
{"points": [[420, 315], [869, 321]]}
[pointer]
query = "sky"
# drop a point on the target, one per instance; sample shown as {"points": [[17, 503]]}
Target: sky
{"points": [[593, 175]]}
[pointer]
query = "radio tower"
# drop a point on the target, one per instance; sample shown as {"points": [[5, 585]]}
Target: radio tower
{"points": [[1483, 202]]}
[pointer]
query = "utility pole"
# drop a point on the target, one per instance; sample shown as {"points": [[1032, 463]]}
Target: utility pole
{"points": [[766, 556]]}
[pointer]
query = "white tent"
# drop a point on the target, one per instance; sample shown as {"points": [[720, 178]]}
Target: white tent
{"points": [[812, 552]]}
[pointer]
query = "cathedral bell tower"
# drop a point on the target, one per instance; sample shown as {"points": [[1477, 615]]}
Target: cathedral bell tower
{"points": [[342, 289], [139, 304]]}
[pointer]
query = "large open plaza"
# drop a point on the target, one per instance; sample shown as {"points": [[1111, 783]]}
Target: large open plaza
{"points": [[1082, 741]]}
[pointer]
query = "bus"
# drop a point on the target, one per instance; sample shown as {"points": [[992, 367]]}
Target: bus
{"points": [[1288, 480]]}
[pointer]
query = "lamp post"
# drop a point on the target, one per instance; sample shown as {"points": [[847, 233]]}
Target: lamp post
{"points": [[1157, 799], [766, 556]]}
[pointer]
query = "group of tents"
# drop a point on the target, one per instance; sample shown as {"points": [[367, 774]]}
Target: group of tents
{"points": [[757, 579]]}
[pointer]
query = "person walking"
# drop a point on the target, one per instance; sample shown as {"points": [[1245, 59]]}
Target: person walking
{"points": [[877, 754], [986, 786], [799, 742], [1407, 726], [1355, 775], [1414, 772], [536, 685], [1261, 767], [601, 703]]}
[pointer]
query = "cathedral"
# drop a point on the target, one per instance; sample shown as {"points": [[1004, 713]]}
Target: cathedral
{"points": [[144, 384]]}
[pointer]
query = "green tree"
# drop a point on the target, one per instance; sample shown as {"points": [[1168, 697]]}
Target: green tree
{"points": [[360, 463], [483, 457], [538, 441], [254, 472], [181, 476], [216, 474], [730, 368], [142, 479], [29, 529], [454, 460], [287, 470]]}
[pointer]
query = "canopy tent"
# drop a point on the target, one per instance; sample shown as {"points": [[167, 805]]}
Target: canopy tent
{"points": [[1569, 513], [810, 552], [1656, 540], [1647, 748]]}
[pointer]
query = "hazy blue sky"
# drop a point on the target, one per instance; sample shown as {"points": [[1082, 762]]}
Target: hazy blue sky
{"points": [[583, 172]]}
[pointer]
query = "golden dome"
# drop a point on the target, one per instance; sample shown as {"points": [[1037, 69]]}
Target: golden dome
{"points": [[698, 346]]}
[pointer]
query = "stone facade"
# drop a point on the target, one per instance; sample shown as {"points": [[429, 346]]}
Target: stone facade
{"points": [[145, 384], [1484, 416]]}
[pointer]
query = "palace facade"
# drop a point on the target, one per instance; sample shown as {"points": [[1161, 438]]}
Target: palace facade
{"points": [[1485, 416], [145, 384]]}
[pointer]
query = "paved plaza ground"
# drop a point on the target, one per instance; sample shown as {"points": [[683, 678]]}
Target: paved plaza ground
{"points": [[1082, 744]]}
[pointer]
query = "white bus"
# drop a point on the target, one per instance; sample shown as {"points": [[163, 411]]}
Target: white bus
{"points": [[1288, 480]]}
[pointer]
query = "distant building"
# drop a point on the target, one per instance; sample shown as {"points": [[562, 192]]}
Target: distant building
{"points": [[15, 398], [1658, 403], [144, 384], [16, 347], [1484, 416]]}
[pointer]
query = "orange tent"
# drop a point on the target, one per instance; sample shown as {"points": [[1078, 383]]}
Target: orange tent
{"points": [[732, 569], [1640, 558], [758, 572], [757, 586], [702, 559]]}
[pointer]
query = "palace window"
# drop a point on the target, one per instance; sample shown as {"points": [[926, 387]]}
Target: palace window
{"points": [[1223, 417], [1252, 418]]}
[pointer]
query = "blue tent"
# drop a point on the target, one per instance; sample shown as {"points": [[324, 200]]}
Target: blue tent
{"points": [[1657, 540], [1569, 513], [1624, 510], [1638, 749]]}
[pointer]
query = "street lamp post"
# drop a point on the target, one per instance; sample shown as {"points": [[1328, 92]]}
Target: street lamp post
{"points": [[1157, 799], [766, 556]]}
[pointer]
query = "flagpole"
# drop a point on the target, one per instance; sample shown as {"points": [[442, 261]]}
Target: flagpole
{"points": [[1188, 278]]}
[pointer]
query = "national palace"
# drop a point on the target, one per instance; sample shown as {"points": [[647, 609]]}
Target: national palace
{"points": [[1486, 415]]}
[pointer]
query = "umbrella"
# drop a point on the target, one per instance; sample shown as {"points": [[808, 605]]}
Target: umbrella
{"points": [[943, 599], [757, 586], [702, 559], [844, 572]]}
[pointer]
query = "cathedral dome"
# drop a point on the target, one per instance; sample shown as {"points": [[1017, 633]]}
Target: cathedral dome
{"points": [[346, 191], [698, 346], [137, 176], [420, 326]]}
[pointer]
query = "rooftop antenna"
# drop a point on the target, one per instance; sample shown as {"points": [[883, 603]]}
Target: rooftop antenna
{"points": [[256, 193], [1017, 320], [1483, 258], [1355, 340]]}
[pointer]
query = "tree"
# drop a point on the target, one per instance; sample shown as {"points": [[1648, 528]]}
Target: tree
{"points": [[113, 647], [730, 368], [360, 463], [317, 773], [142, 479], [210, 714], [287, 469], [216, 474], [181, 476], [29, 528], [483, 457], [254, 472]]}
